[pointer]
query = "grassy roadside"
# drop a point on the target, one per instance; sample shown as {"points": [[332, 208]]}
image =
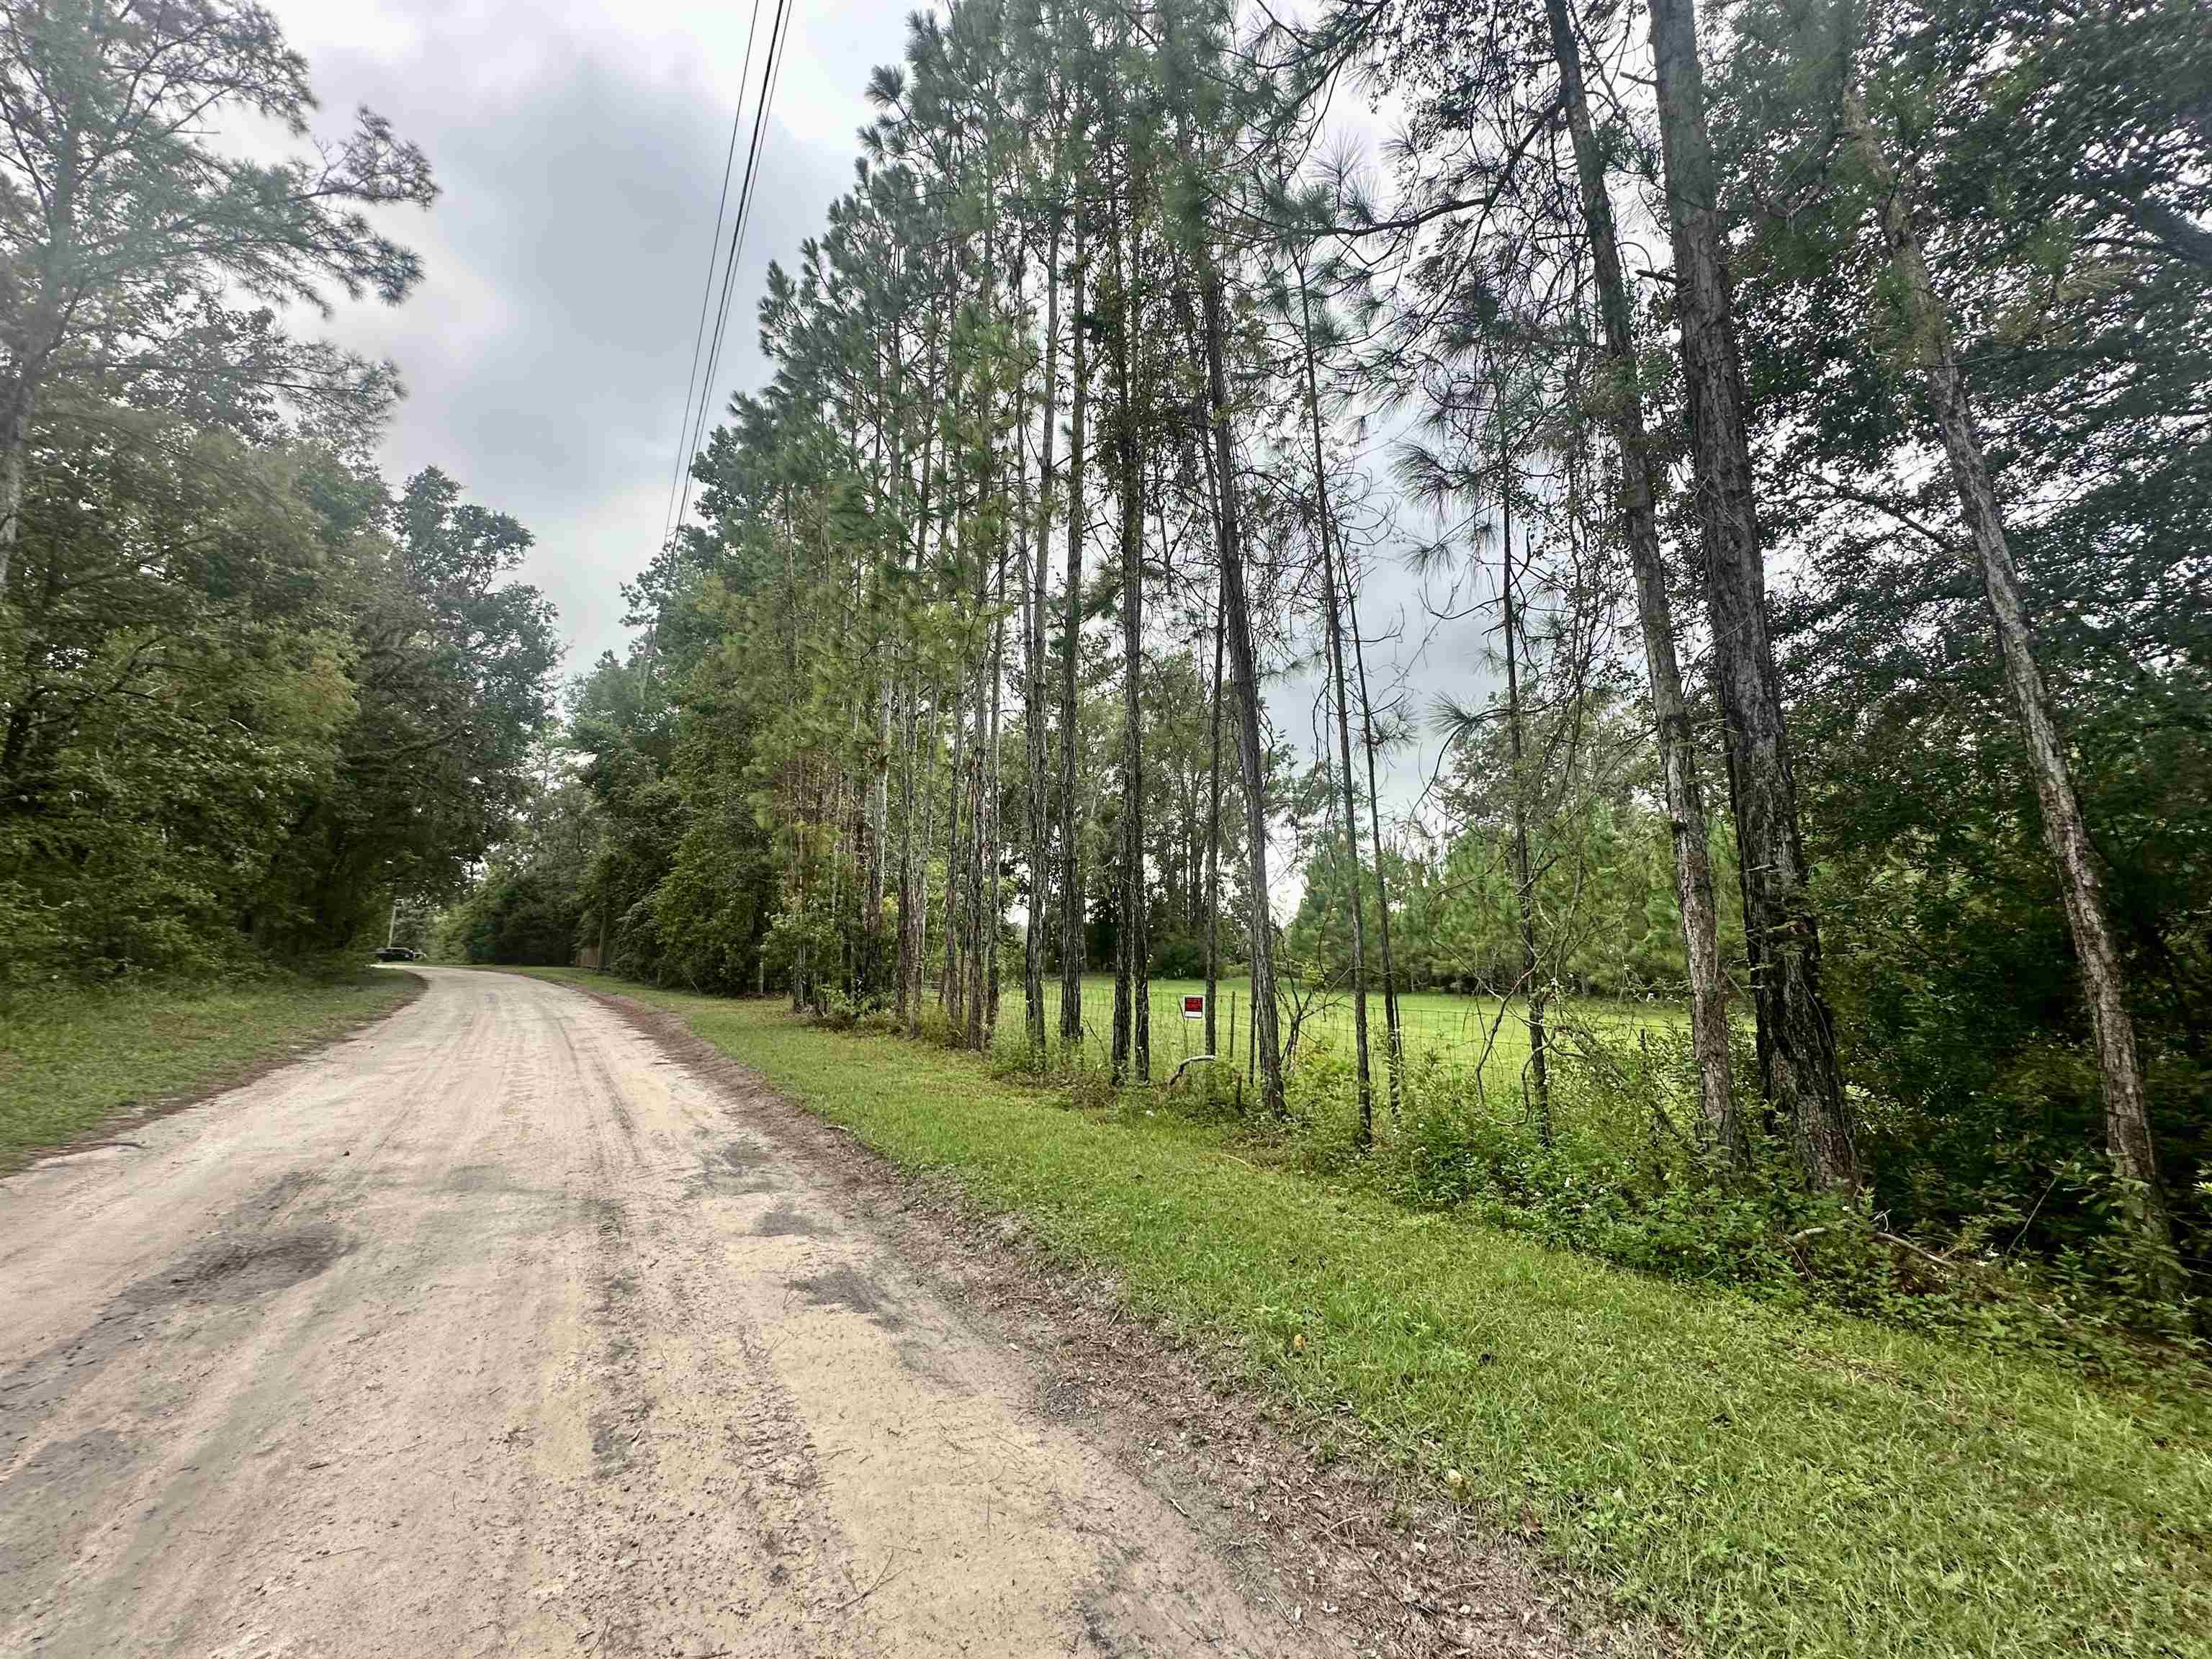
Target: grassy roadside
{"points": [[1772, 1482], [69, 1063]]}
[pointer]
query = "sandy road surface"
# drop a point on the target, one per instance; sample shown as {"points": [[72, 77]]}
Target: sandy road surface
{"points": [[494, 1330]]}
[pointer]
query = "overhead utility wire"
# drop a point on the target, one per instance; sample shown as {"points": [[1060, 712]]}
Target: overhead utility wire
{"points": [[769, 76], [707, 288]]}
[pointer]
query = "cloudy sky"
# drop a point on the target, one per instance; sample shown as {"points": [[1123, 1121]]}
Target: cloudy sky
{"points": [[580, 145], [579, 149]]}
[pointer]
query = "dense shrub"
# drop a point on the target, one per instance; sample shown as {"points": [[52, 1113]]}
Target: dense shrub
{"points": [[522, 917], [1621, 1175]]}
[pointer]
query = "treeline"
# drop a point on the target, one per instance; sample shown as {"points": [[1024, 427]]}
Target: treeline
{"points": [[250, 696], [1069, 448]]}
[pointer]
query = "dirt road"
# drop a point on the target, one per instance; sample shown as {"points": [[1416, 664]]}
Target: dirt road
{"points": [[495, 1330]]}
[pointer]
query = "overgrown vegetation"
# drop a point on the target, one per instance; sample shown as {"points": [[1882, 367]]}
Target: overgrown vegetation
{"points": [[1611, 1165], [250, 696], [1767, 1476], [72, 1060]]}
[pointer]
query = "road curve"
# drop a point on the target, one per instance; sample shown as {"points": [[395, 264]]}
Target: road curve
{"points": [[495, 1330]]}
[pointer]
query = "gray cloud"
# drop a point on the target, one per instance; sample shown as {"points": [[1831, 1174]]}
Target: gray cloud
{"points": [[579, 150]]}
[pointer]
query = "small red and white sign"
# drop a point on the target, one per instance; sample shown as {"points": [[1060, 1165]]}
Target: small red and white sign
{"points": [[1193, 1007]]}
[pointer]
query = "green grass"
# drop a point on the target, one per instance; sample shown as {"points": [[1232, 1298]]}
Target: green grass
{"points": [[1773, 1482], [1464, 1028], [1467, 1035], [71, 1060]]}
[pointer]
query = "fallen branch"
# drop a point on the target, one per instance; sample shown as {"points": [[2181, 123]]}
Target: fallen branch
{"points": [[1195, 1059], [882, 1578], [1981, 1274], [1902, 1243]]}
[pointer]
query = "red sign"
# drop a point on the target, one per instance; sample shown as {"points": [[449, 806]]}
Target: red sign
{"points": [[1193, 1007]]}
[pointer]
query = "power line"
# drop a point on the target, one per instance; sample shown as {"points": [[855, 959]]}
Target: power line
{"points": [[707, 288], [769, 75]]}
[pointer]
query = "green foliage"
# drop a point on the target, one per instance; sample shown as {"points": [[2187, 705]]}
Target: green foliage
{"points": [[1622, 1177], [2055, 158], [247, 699], [144, 258], [241, 719], [522, 916], [1091, 1090]]}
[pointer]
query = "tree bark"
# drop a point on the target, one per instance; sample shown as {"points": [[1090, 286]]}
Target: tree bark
{"points": [[15, 451], [1670, 715], [1394, 1032], [914, 862], [1355, 882], [1070, 827], [1040, 824], [1131, 1016], [1524, 881], [1244, 664], [1213, 820], [903, 972], [984, 1024], [1798, 1073], [2104, 980], [949, 996]]}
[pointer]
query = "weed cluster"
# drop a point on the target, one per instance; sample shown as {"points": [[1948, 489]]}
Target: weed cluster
{"points": [[1603, 1163]]}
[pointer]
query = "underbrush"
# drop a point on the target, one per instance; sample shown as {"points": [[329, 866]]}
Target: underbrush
{"points": [[1612, 1170]]}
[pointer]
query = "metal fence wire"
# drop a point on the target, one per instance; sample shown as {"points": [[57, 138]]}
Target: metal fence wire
{"points": [[1431, 1024]]}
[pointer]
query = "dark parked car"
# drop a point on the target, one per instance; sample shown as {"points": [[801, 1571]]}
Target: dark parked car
{"points": [[396, 953]]}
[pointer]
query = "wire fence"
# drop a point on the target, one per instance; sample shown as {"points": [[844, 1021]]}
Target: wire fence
{"points": [[1469, 1028]]}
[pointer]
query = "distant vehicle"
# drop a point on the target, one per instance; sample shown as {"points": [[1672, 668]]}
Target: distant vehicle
{"points": [[396, 953]]}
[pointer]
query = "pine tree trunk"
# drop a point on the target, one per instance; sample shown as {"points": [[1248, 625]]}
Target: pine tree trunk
{"points": [[928, 842], [1524, 880], [1213, 822], [969, 1018], [880, 793], [1798, 1073], [1355, 883], [1670, 716], [2104, 980], [903, 971], [913, 862], [1037, 578], [1131, 1017], [1266, 1047], [994, 906], [1394, 1030], [14, 453], [1071, 826], [949, 983]]}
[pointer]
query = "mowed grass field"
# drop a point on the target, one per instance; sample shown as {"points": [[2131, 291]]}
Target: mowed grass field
{"points": [[1468, 1030]]}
